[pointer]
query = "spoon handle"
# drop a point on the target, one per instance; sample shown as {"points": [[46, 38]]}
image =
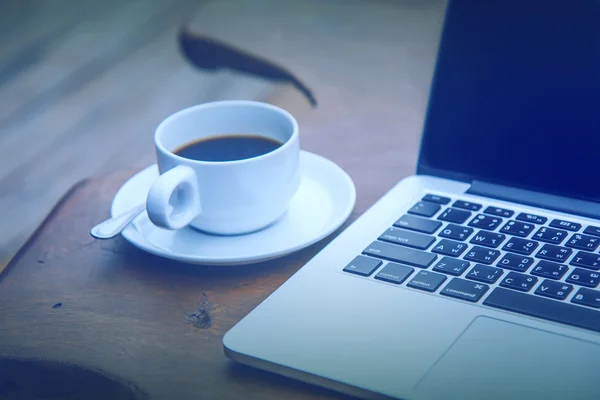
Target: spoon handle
{"points": [[113, 226]]}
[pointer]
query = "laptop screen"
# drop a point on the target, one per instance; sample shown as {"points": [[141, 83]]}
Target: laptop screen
{"points": [[515, 98]]}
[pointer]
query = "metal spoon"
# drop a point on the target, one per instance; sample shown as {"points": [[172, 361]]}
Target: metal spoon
{"points": [[113, 226]]}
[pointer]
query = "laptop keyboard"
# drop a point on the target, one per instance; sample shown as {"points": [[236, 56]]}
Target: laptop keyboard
{"points": [[523, 263]]}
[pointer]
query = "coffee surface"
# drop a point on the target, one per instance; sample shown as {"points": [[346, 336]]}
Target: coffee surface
{"points": [[227, 147]]}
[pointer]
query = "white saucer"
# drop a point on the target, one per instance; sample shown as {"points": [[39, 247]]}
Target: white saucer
{"points": [[323, 202]]}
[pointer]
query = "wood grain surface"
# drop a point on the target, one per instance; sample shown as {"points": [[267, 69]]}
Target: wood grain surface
{"points": [[154, 325]]}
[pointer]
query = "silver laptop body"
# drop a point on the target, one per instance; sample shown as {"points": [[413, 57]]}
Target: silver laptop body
{"points": [[476, 278]]}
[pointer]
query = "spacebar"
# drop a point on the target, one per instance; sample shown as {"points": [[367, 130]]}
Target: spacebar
{"points": [[543, 308]]}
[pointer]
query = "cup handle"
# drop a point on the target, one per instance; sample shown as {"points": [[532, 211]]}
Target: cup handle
{"points": [[173, 200]]}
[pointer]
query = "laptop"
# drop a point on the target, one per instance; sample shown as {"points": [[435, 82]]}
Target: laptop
{"points": [[478, 277]]}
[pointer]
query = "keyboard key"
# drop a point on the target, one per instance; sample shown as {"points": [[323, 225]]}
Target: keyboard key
{"points": [[517, 228], [540, 307], [499, 212], [554, 253], [425, 209], [521, 246], [592, 230], [452, 266], [568, 225], [515, 262], [449, 248], [485, 222], [456, 232], [517, 281], [484, 273], [464, 290], [363, 266], [488, 239], [555, 290], [434, 198], [394, 273], [454, 215], [550, 270], [482, 255], [418, 224], [465, 205], [400, 254], [586, 260], [535, 219], [428, 281], [583, 242], [584, 277], [587, 297], [407, 238], [549, 235]]}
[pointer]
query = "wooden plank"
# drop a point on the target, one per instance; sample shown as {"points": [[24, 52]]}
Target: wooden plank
{"points": [[29, 20], [89, 49], [25, 144], [35, 26]]}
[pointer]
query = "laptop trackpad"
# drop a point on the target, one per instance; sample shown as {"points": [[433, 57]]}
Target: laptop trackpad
{"points": [[494, 359]]}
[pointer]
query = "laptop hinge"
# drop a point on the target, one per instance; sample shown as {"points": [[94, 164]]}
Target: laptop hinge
{"points": [[526, 197]]}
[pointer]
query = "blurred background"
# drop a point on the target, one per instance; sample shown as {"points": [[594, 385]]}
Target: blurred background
{"points": [[84, 83]]}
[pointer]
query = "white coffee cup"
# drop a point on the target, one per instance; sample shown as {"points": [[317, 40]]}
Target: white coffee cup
{"points": [[224, 197]]}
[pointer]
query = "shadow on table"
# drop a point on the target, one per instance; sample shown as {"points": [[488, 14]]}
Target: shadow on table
{"points": [[249, 375], [34, 379]]}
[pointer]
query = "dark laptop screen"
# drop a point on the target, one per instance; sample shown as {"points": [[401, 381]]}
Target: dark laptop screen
{"points": [[515, 98]]}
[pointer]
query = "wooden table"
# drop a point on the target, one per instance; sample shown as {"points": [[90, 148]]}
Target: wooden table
{"points": [[107, 319]]}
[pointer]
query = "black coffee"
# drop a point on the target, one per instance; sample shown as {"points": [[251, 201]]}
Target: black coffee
{"points": [[227, 148]]}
